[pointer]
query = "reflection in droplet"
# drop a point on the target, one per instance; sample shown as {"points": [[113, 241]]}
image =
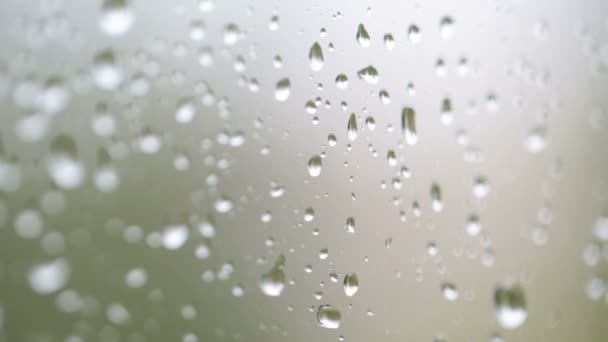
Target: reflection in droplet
{"points": [[351, 127]]}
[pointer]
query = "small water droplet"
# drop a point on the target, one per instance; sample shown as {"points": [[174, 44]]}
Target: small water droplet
{"points": [[282, 90], [351, 127], [408, 125], [314, 166]]}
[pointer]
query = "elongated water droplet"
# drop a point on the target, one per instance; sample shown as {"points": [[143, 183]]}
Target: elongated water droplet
{"points": [[272, 283], [363, 37], [446, 27], [314, 166], [408, 125], [282, 90], [105, 72], [315, 56], [389, 41], [328, 317], [351, 284], [350, 224], [510, 306], [436, 202], [446, 115], [64, 168], [369, 74], [351, 127]]}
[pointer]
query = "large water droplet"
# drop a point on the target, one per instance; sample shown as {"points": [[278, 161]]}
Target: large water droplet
{"points": [[408, 125], [369, 74], [328, 317], [446, 27], [510, 306], [315, 56], [282, 90], [314, 166], [272, 283], [116, 18], [105, 73], [351, 127], [49, 277], [363, 37], [66, 171], [351, 284]]}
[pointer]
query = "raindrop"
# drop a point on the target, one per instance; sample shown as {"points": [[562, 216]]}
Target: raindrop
{"points": [[116, 18], [351, 284], [350, 224], [449, 291], [389, 41], [436, 202], [351, 127], [49, 277], [408, 125], [341, 81], [272, 283], [105, 72], [414, 34], [536, 141], [446, 27], [363, 37], [282, 90], [66, 171], [328, 317], [315, 56], [314, 166], [510, 306], [369, 74]]}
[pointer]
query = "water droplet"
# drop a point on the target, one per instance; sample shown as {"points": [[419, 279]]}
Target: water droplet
{"points": [[175, 236], [272, 283], [446, 27], [600, 228], [389, 41], [510, 306], [414, 34], [363, 37], [436, 202], [231, 34], [185, 111], [446, 115], [282, 90], [223, 205], [481, 188], [449, 291], [351, 127], [49, 277], [536, 141], [136, 278], [331, 140], [473, 227], [105, 72], [408, 125], [328, 317], [314, 166], [351, 284], [341, 81], [384, 97], [369, 74], [116, 18], [273, 25], [350, 224], [66, 171], [315, 56]]}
